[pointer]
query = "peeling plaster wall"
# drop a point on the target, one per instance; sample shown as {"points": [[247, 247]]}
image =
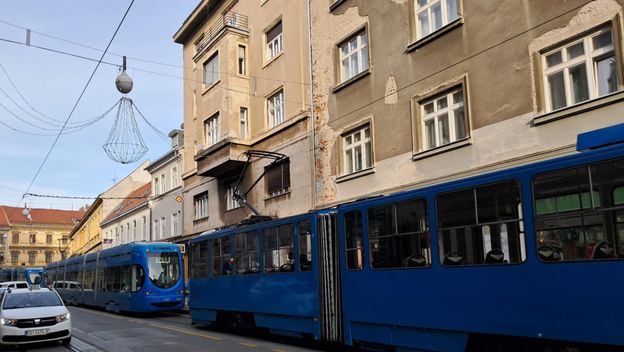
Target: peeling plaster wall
{"points": [[492, 51], [328, 30]]}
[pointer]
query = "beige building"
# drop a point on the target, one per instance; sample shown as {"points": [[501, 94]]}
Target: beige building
{"points": [[417, 92], [35, 237], [129, 221], [86, 236], [246, 88]]}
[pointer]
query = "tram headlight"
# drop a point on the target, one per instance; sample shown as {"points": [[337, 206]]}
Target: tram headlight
{"points": [[8, 322], [147, 293], [62, 317]]}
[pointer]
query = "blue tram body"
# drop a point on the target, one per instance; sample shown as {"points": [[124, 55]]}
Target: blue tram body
{"points": [[530, 254], [134, 277], [34, 276]]}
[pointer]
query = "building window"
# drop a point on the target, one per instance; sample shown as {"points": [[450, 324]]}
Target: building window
{"points": [[134, 230], [156, 228], [274, 41], [15, 238], [275, 106], [48, 239], [211, 70], [581, 70], [443, 119], [174, 224], [121, 232], [32, 257], [144, 229], [242, 57], [278, 178], [32, 238], [243, 123], [357, 151], [174, 177], [201, 205], [431, 15], [65, 239], [156, 186], [48, 257], [230, 201], [14, 257], [353, 56], [163, 227], [211, 130], [163, 184]]}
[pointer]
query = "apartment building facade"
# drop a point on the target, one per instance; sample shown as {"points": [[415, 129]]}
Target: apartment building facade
{"points": [[166, 198], [246, 112], [34, 237], [416, 92], [86, 236], [130, 220]]}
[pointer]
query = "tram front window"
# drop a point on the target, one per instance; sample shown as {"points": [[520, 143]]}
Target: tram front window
{"points": [[163, 268], [35, 278]]}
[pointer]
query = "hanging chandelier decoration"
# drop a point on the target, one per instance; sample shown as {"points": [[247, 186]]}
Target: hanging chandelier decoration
{"points": [[124, 143]]}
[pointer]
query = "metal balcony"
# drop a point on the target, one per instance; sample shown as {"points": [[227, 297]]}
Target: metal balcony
{"points": [[228, 20]]}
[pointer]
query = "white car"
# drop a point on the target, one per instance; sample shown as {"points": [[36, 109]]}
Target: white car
{"points": [[12, 285], [33, 315]]}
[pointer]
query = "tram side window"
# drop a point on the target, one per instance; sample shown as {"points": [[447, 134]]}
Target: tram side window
{"points": [[579, 212], [123, 279], [278, 249], [354, 240], [481, 225], [397, 235], [221, 261], [305, 246], [247, 255], [199, 260], [89, 279]]}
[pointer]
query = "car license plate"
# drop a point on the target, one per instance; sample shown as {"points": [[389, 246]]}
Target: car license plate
{"points": [[37, 332]]}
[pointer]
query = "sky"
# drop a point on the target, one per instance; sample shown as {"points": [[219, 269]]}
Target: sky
{"points": [[51, 83]]}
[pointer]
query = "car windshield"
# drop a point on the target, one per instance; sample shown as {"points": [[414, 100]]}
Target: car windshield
{"points": [[163, 268], [31, 299]]}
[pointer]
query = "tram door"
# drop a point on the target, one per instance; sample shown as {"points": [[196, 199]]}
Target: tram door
{"points": [[330, 285]]}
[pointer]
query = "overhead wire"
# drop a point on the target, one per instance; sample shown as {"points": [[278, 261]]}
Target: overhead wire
{"points": [[75, 105]]}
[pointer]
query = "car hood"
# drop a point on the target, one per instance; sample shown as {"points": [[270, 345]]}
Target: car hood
{"points": [[35, 312]]}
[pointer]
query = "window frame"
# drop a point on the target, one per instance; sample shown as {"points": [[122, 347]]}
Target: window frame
{"points": [[449, 110], [243, 121], [268, 250], [366, 145], [212, 130], [446, 19], [240, 252], [242, 61], [275, 108], [588, 60], [358, 51], [201, 206], [275, 46], [230, 203], [283, 189], [215, 76]]}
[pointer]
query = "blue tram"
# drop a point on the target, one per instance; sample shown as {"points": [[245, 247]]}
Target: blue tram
{"points": [[134, 277], [34, 276], [525, 258]]}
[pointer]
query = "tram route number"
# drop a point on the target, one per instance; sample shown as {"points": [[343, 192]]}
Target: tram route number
{"points": [[162, 260]]}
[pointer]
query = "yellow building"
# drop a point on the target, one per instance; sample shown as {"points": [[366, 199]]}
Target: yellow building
{"points": [[35, 237], [86, 236]]}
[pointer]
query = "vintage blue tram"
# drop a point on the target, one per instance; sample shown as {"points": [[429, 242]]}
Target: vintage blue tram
{"points": [[134, 277], [525, 258]]}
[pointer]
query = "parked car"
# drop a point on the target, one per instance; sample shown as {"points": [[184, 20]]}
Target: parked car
{"points": [[33, 315], [12, 285]]}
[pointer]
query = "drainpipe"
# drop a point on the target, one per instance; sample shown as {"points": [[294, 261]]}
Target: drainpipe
{"points": [[312, 121]]}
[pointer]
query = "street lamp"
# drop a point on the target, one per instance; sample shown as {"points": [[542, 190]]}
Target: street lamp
{"points": [[5, 237]]}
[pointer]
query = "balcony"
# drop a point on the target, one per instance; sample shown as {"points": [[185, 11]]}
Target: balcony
{"points": [[230, 20], [221, 160]]}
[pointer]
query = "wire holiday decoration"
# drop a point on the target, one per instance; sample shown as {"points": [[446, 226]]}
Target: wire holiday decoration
{"points": [[124, 143]]}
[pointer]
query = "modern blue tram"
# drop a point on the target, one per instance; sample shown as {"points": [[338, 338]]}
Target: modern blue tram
{"points": [[134, 277], [33, 276], [526, 258]]}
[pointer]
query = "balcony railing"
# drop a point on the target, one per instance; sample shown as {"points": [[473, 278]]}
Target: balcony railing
{"points": [[229, 19]]}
